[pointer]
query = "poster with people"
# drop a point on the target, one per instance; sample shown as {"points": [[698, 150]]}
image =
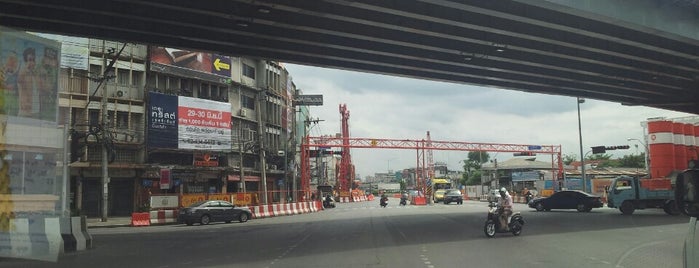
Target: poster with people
{"points": [[29, 67]]}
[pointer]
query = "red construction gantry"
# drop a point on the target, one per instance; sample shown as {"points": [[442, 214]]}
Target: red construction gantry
{"points": [[420, 146]]}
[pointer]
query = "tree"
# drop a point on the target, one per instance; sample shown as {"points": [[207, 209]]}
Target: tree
{"points": [[633, 161], [569, 158], [475, 160], [599, 157], [474, 178], [472, 167]]}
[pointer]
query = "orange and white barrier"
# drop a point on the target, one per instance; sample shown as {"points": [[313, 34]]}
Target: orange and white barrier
{"points": [[275, 210], [140, 219], [163, 216]]}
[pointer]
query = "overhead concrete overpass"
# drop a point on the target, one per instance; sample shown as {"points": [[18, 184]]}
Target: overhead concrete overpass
{"points": [[643, 52]]}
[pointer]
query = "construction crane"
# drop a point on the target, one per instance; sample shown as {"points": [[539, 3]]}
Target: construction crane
{"points": [[346, 172]]}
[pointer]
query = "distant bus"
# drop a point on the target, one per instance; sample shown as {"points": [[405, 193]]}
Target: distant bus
{"points": [[440, 184]]}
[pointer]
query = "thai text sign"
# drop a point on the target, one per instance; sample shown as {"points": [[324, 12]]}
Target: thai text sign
{"points": [[179, 122]]}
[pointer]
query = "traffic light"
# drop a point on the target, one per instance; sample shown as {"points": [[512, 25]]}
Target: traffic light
{"points": [[603, 149], [524, 154], [598, 150], [617, 147]]}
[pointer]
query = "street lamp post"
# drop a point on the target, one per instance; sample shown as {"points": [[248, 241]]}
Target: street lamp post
{"points": [[645, 157], [582, 156]]}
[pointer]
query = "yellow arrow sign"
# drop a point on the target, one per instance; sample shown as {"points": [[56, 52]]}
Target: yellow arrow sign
{"points": [[221, 65]]}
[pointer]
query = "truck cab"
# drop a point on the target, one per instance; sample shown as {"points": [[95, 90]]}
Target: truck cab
{"points": [[630, 193], [687, 198]]}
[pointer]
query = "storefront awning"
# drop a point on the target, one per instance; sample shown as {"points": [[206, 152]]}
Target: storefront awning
{"points": [[247, 178]]}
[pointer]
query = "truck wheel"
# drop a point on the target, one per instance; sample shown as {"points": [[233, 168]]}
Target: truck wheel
{"points": [[670, 208], [627, 208]]}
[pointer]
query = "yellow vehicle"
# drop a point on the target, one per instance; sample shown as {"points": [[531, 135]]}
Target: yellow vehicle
{"points": [[439, 187]]}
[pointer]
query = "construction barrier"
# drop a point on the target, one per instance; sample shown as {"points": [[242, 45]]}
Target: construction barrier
{"points": [[419, 200], [163, 216], [275, 210], [370, 197], [74, 234], [33, 237], [140, 219]]}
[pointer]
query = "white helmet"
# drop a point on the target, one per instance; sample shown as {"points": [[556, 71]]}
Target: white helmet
{"points": [[503, 190]]}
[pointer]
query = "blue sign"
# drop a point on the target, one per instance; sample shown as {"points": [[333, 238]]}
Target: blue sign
{"points": [[534, 147], [162, 120]]}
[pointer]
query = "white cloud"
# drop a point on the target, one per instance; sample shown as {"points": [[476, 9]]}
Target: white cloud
{"points": [[402, 108]]}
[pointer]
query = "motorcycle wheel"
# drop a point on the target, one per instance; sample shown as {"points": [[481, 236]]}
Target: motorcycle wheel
{"points": [[489, 228], [516, 228]]}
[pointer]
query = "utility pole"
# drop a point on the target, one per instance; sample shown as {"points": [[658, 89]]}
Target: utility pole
{"points": [[262, 130], [240, 153], [105, 155]]}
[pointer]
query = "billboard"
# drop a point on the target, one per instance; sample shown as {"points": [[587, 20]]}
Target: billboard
{"points": [[178, 122], [29, 67], [74, 51]]}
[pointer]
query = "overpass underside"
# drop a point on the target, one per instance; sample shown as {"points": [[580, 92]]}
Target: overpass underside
{"points": [[632, 52]]}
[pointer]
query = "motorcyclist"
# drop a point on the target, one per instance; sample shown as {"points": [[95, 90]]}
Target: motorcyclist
{"points": [[384, 200], [403, 198], [505, 206], [328, 200]]}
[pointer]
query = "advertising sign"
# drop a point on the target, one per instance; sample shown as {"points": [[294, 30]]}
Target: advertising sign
{"points": [[74, 51], [309, 100], [179, 122], [164, 201], [164, 179], [525, 176], [221, 65], [203, 124], [29, 77], [162, 120], [197, 61], [205, 160]]}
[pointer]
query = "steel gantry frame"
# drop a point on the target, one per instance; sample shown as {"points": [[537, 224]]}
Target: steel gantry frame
{"points": [[421, 146]]}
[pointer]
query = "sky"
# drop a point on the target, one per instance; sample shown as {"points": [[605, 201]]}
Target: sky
{"points": [[393, 107]]}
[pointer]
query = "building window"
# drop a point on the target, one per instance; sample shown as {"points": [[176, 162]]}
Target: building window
{"points": [[137, 78], [248, 71], [123, 77], [247, 102]]}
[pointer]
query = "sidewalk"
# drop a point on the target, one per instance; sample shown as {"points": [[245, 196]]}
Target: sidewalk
{"points": [[111, 222]]}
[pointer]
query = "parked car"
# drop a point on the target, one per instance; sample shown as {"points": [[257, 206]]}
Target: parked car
{"points": [[579, 200], [439, 195], [453, 195], [205, 212]]}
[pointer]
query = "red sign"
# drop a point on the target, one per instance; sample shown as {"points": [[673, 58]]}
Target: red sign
{"points": [[205, 160], [164, 179]]}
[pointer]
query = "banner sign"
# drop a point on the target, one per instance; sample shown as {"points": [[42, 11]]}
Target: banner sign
{"points": [[74, 51], [525, 176], [162, 120], [178, 122], [205, 160], [197, 61], [164, 179], [221, 65], [308, 100], [29, 81]]}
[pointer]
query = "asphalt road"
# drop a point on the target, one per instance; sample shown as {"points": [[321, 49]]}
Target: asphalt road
{"points": [[365, 235]]}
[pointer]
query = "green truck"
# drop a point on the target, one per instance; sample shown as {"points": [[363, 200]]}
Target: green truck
{"points": [[630, 193]]}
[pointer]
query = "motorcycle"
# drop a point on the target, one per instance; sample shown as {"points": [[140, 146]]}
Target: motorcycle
{"points": [[492, 224], [328, 203], [529, 197], [383, 202], [403, 201]]}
